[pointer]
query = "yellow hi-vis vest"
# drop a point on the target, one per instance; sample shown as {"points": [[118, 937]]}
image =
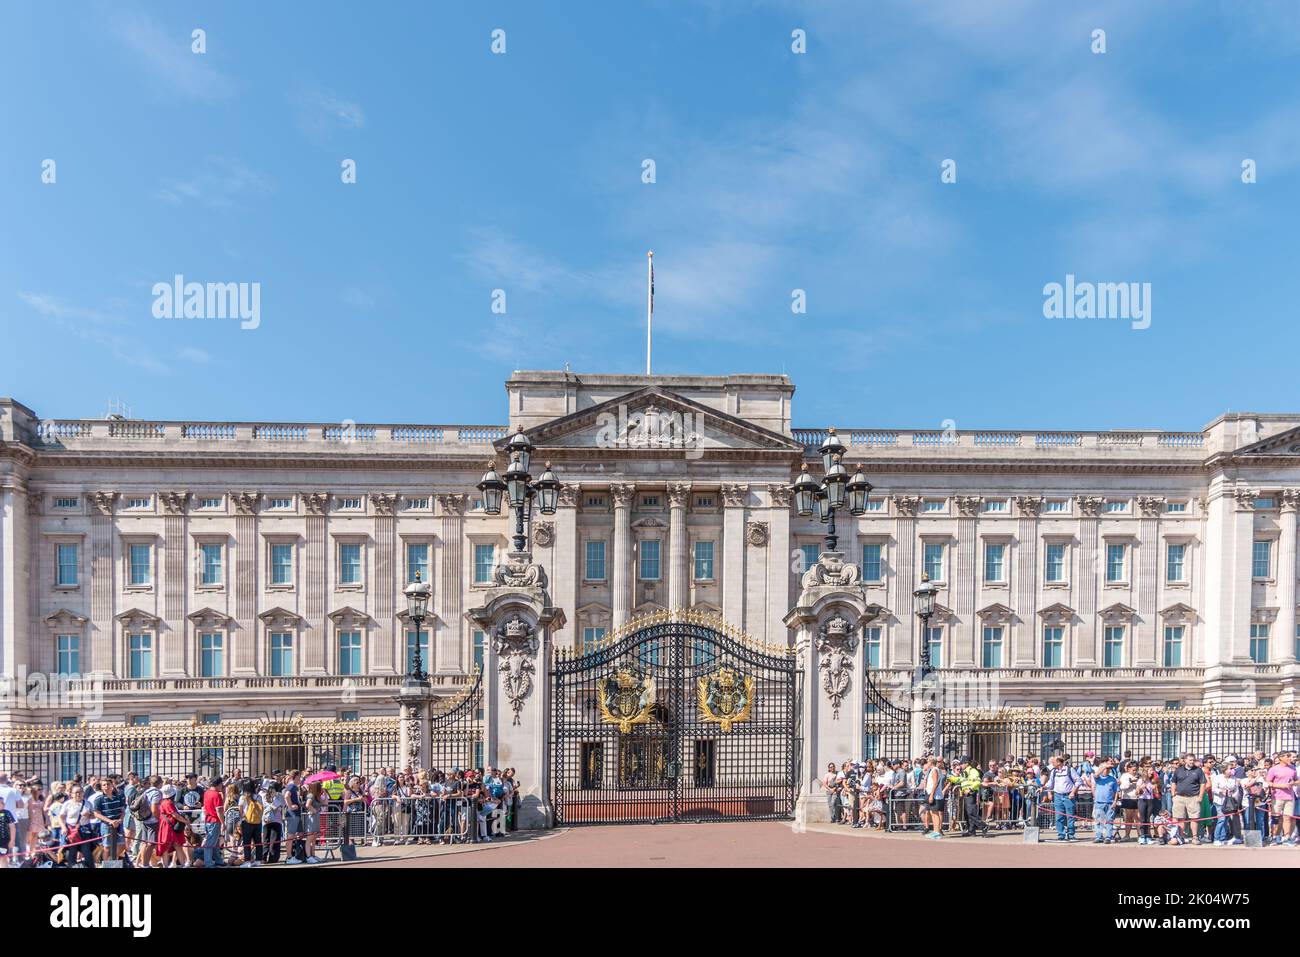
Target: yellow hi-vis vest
{"points": [[969, 780], [333, 789]]}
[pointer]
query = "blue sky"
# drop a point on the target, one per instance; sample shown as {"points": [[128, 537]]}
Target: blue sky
{"points": [[775, 171]]}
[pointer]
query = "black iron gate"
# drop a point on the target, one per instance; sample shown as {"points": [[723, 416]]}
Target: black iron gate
{"points": [[675, 720]]}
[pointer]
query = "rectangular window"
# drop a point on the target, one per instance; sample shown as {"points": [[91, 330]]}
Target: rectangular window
{"points": [[1054, 505], [280, 503], [1175, 506], [282, 564], [992, 657], [875, 505], [1111, 706], [1173, 657], [650, 501], [1261, 560], [68, 649], [1259, 644], [595, 501], [1115, 506], [932, 561], [484, 559], [417, 561], [995, 562], [350, 563], [1115, 563], [66, 502], [1176, 563], [1173, 706], [649, 569], [1264, 502], [594, 568], [281, 654], [871, 555], [67, 564], [810, 554], [140, 559], [996, 505], [703, 561], [1054, 567], [212, 555], [1053, 646], [480, 648], [410, 650], [1112, 650], [932, 505], [1052, 706], [349, 652], [349, 504], [141, 656], [212, 655], [871, 639], [591, 637], [137, 502], [210, 503], [704, 501], [416, 504], [210, 717], [69, 761], [936, 647]]}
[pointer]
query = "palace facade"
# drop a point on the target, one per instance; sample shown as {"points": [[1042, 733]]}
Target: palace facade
{"points": [[223, 570]]}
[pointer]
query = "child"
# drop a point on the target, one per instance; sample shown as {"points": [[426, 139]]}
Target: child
{"points": [[1168, 828]]}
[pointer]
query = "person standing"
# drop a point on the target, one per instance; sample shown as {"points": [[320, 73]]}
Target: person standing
{"points": [[932, 804], [250, 825], [108, 807], [1228, 794], [1105, 798], [1188, 783], [1062, 784], [272, 821], [214, 810], [1281, 778], [967, 778]]}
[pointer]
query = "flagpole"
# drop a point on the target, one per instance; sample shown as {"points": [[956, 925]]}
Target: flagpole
{"points": [[649, 303]]}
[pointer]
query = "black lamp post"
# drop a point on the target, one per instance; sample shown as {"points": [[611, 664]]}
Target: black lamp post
{"points": [[836, 491], [519, 487], [925, 610], [417, 609]]}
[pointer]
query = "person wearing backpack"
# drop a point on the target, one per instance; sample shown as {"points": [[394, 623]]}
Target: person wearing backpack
{"points": [[250, 824], [1062, 784], [144, 809]]}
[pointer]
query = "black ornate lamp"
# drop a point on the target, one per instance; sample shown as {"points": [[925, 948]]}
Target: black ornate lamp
{"points": [[518, 488], [417, 609], [925, 610], [837, 489]]}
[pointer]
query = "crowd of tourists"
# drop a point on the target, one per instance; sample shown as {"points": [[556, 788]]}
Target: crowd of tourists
{"points": [[239, 820], [1195, 799]]}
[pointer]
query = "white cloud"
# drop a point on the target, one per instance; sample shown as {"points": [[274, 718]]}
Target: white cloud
{"points": [[167, 55]]}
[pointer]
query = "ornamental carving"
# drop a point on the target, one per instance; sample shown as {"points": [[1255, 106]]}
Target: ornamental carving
{"points": [[174, 503], [103, 501], [1151, 506], [1089, 505], [735, 496], [621, 494], [1288, 499], [515, 644], [383, 503], [1246, 498], [519, 571], [906, 505], [34, 500], [315, 503], [969, 505], [544, 534], [679, 495], [756, 533], [1029, 506], [836, 644], [725, 698], [781, 495], [245, 502], [411, 724], [452, 504], [569, 495], [830, 570]]}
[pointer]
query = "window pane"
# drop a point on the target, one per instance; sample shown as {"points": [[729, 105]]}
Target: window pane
{"points": [[871, 562], [1055, 567], [992, 657], [212, 655], [993, 563], [281, 654], [68, 649], [350, 563], [1174, 563], [595, 570], [484, 559], [1114, 563], [349, 652], [67, 562], [1053, 646], [933, 561], [1261, 564], [140, 564], [417, 561], [1173, 657], [704, 561], [282, 564], [650, 560], [410, 650], [141, 656], [1113, 648], [211, 564], [873, 647]]}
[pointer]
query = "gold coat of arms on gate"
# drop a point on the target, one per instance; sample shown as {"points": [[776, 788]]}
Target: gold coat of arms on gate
{"points": [[726, 697], [626, 699]]}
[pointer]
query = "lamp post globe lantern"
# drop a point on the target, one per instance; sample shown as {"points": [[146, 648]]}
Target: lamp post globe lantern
{"points": [[517, 481], [520, 445], [519, 489], [548, 491], [417, 608], [805, 492], [492, 488], [830, 449], [836, 480], [925, 610], [858, 490]]}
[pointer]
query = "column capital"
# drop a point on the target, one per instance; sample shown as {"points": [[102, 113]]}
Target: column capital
{"points": [[1151, 506], [1089, 505], [679, 494], [621, 493], [1029, 506], [906, 505], [735, 495], [245, 502], [1289, 499], [174, 503], [385, 503], [969, 505], [103, 502]]}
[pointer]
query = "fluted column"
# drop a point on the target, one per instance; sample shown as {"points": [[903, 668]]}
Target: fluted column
{"points": [[316, 574], [382, 647], [171, 565], [243, 653], [1146, 580], [621, 574], [734, 500], [101, 585], [1283, 647], [564, 573], [964, 582], [18, 644], [679, 497], [907, 633], [780, 582], [1087, 569], [1024, 647], [451, 655]]}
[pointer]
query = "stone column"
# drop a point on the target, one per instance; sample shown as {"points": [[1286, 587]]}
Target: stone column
{"points": [[17, 645], [101, 625], [413, 743], [732, 573], [1025, 645], [243, 654], [447, 597], [964, 583], [1087, 571], [564, 562], [173, 582], [679, 497], [621, 573], [1146, 581], [388, 583], [316, 575], [779, 583], [828, 618], [519, 620], [905, 507], [1283, 648]]}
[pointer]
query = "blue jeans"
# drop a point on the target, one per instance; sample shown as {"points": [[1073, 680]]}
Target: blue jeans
{"points": [[1103, 816], [1063, 805], [211, 837]]}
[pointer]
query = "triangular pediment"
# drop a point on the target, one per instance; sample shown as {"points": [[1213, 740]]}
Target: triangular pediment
{"points": [[63, 618], [1178, 613], [348, 617], [1118, 612], [209, 618], [1286, 442], [654, 420], [1057, 613], [996, 613], [280, 619], [138, 618]]}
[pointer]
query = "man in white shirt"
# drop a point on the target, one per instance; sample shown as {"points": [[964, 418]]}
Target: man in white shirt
{"points": [[13, 798]]}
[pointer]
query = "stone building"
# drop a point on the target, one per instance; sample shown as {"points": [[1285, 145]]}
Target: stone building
{"points": [[224, 570]]}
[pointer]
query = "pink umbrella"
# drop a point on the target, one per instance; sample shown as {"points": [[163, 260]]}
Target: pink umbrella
{"points": [[321, 776]]}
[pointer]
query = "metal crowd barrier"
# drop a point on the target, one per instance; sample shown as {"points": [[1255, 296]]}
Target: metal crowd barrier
{"points": [[411, 819], [1046, 819], [903, 810]]}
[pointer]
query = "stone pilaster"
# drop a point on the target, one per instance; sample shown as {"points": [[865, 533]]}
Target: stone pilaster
{"points": [[1088, 568], [1146, 579], [243, 653], [1283, 649], [315, 651], [964, 637], [101, 624], [564, 562], [780, 583], [679, 498], [1024, 645], [621, 570], [388, 584], [906, 635], [732, 573], [173, 582], [17, 645], [451, 651]]}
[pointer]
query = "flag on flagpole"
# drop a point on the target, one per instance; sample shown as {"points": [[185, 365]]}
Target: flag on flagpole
{"points": [[649, 307]]}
